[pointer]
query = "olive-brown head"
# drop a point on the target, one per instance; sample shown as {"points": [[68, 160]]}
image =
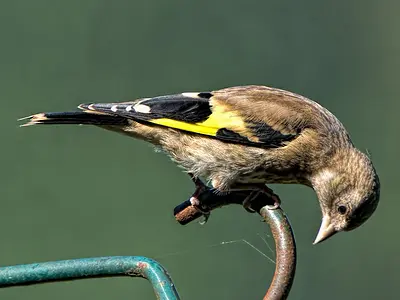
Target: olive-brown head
{"points": [[348, 191]]}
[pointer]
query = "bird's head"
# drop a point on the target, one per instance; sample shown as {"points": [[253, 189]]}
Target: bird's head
{"points": [[348, 191]]}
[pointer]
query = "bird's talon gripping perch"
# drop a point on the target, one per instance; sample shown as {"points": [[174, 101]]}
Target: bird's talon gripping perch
{"points": [[253, 195], [197, 204], [194, 200], [277, 202], [247, 202], [205, 219]]}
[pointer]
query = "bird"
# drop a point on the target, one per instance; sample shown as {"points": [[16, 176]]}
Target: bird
{"points": [[244, 137]]}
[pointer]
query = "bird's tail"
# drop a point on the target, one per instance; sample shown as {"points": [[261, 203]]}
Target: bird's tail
{"points": [[74, 117]]}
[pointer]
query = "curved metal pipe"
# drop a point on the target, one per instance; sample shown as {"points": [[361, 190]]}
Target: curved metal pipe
{"points": [[133, 266], [137, 266], [280, 227], [285, 268]]}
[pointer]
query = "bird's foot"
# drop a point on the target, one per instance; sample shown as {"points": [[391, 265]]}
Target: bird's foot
{"points": [[256, 190], [194, 200], [197, 204], [277, 202]]}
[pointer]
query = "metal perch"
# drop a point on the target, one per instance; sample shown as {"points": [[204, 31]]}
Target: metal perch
{"points": [[276, 219], [133, 266], [136, 266]]}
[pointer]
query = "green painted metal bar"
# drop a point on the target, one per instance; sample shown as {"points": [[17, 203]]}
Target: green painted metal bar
{"points": [[133, 266], [138, 266]]}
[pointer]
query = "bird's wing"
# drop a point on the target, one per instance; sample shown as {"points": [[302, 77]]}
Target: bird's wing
{"points": [[206, 113]]}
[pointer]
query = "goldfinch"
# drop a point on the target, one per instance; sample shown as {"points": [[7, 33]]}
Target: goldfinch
{"points": [[242, 138]]}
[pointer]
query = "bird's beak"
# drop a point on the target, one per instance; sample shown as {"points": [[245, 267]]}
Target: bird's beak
{"points": [[325, 231]]}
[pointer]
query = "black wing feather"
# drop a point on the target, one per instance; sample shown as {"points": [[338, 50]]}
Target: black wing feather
{"points": [[195, 110]]}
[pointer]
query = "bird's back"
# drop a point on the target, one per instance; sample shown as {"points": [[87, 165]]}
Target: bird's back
{"points": [[284, 110]]}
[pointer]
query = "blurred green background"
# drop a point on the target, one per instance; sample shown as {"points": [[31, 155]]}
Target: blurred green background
{"points": [[70, 192]]}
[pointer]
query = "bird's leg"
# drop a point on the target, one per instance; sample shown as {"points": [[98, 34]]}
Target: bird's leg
{"points": [[194, 200], [256, 189]]}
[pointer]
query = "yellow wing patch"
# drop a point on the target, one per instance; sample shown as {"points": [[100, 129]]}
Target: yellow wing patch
{"points": [[221, 117]]}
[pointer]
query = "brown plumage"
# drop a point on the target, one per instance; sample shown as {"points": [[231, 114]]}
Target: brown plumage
{"points": [[246, 137]]}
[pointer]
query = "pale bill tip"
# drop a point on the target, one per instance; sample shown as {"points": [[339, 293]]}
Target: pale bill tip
{"points": [[325, 231]]}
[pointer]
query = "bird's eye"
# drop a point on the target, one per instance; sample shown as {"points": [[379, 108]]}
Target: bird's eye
{"points": [[342, 209]]}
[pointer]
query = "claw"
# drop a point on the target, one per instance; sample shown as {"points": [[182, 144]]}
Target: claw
{"points": [[200, 188], [277, 202], [205, 218], [197, 204], [247, 202], [254, 194]]}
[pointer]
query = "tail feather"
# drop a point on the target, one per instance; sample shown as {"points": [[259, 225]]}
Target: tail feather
{"points": [[84, 118]]}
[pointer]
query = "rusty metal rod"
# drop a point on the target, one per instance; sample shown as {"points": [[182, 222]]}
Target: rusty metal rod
{"points": [[285, 249], [285, 246]]}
